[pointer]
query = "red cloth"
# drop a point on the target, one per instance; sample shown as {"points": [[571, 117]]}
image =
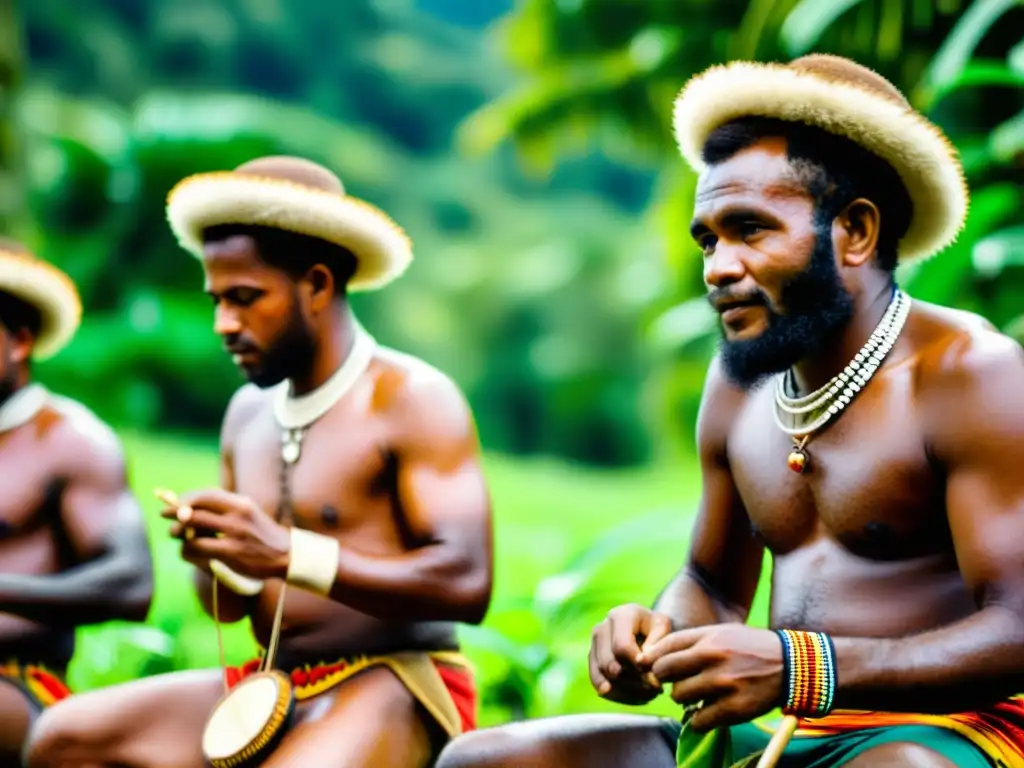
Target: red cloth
{"points": [[458, 680], [460, 684], [998, 731], [44, 687]]}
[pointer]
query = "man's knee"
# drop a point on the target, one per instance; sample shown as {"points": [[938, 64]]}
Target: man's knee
{"points": [[57, 736], [491, 748], [900, 754], [47, 739]]}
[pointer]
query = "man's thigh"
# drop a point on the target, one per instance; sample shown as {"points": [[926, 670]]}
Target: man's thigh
{"points": [[573, 741], [904, 745], [157, 721], [369, 720], [16, 716], [916, 745]]}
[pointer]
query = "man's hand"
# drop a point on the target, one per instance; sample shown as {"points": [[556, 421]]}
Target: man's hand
{"points": [[615, 651], [216, 524], [736, 670]]}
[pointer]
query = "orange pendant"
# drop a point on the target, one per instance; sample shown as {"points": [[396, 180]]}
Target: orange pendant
{"points": [[797, 460]]}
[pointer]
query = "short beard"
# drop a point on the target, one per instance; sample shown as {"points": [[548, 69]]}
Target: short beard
{"points": [[289, 356], [816, 307]]}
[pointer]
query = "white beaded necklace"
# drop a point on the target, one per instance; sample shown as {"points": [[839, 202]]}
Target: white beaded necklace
{"points": [[829, 400], [22, 406], [295, 414]]}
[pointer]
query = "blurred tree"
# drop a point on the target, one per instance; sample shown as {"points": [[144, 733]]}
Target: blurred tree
{"points": [[602, 76], [12, 202], [519, 289]]}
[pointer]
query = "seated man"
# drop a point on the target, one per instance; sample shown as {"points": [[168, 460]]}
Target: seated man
{"points": [[73, 547], [872, 444], [350, 472]]}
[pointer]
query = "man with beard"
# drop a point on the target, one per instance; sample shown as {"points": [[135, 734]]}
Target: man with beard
{"points": [[350, 473], [73, 548], [870, 443]]}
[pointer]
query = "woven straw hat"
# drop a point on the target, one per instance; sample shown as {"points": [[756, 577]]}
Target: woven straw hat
{"points": [[295, 195], [844, 98], [46, 288]]}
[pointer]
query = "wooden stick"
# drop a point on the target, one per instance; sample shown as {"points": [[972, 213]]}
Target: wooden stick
{"points": [[236, 582], [170, 498], [780, 740]]}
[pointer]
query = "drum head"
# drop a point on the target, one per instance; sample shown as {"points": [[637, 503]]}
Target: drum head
{"points": [[249, 713]]}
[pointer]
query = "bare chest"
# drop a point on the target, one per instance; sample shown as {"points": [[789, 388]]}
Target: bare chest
{"points": [[868, 484], [30, 494], [342, 482]]}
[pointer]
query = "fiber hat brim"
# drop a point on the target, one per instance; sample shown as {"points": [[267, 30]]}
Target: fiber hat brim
{"points": [[847, 99], [46, 288], [295, 195]]}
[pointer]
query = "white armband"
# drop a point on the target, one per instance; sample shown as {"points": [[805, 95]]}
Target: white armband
{"points": [[313, 561], [236, 582]]}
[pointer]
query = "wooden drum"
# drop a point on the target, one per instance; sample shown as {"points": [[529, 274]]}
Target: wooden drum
{"points": [[249, 721]]}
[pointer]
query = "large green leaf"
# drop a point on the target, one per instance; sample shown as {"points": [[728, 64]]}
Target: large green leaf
{"points": [[684, 325], [1007, 140], [944, 278], [807, 22], [994, 253], [976, 74], [627, 564], [954, 55]]}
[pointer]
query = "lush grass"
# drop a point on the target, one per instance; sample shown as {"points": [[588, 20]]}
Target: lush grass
{"points": [[565, 552]]}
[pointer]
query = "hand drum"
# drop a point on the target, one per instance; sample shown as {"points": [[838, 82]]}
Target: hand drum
{"points": [[249, 721]]}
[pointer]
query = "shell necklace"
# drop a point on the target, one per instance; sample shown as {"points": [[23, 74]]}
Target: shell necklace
{"points": [[23, 406], [801, 417], [295, 414]]}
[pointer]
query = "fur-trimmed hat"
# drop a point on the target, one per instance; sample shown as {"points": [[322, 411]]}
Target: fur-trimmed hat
{"points": [[844, 98], [47, 290], [294, 195]]}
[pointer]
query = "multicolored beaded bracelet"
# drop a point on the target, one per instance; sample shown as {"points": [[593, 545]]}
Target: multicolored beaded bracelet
{"points": [[809, 660]]}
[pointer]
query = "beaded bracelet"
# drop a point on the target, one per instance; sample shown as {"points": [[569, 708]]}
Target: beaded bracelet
{"points": [[809, 660]]}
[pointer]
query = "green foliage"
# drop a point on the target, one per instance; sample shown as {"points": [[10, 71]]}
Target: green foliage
{"points": [[553, 283], [603, 76]]}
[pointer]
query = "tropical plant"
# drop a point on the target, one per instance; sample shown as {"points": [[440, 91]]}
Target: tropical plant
{"points": [[532, 653], [603, 76], [551, 357]]}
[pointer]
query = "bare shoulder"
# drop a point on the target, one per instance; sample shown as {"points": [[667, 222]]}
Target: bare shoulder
{"points": [[957, 349], [720, 403], [968, 378], [81, 443], [420, 401], [247, 401]]}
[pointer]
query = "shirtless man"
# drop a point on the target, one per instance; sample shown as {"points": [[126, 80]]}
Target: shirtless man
{"points": [[384, 486], [73, 547], [895, 527]]}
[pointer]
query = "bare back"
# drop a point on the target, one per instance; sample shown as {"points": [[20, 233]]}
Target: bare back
{"points": [[870, 512]]}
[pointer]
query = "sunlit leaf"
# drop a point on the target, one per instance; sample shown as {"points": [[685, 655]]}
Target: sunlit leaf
{"points": [[977, 74], [942, 278], [807, 22], [1007, 140], [953, 56], [685, 324], [1002, 249], [1016, 58]]}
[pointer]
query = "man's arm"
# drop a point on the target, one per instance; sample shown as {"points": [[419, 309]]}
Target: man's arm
{"points": [[719, 581], [231, 607], [112, 577], [973, 412], [443, 497]]}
